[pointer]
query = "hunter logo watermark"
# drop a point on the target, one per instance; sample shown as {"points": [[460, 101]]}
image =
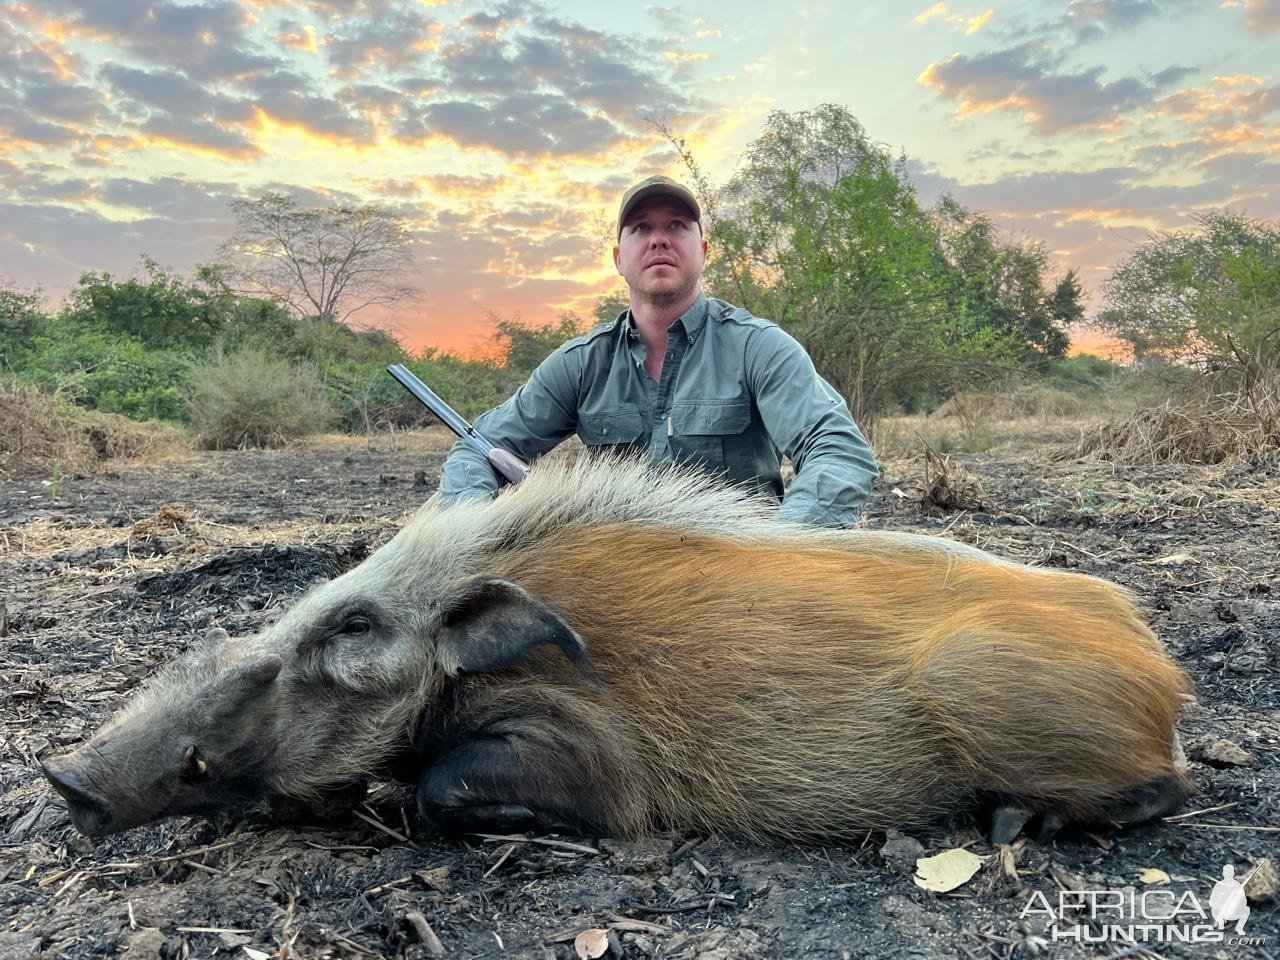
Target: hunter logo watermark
{"points": [[1160, 915]]}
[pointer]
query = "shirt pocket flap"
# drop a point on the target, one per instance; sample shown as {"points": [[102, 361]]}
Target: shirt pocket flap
{"points": [[610, 428], [712, 418]]}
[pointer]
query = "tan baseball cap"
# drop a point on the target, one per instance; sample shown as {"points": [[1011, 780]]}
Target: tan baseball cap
{"points": [[654, 186]]}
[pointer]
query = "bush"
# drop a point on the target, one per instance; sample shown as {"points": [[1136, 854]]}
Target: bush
{"points": [[249, 399], [163, 310], [101, 369], [1084, 373]]}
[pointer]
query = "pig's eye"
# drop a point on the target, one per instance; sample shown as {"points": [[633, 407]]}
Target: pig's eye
{"points": [[193, 765], [356, 626]]}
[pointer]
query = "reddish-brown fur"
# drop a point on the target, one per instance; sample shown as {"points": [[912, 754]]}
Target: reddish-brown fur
{"points": [[799, 690]]}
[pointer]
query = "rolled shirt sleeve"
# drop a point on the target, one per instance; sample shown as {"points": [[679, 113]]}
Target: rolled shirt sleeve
{"points": [[809, 422], [531, 422]]}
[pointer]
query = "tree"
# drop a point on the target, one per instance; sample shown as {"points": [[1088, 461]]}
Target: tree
{"points": [[821, 231], [329, 262], [1209, 296], [21, 320], [521, 347], [1003, 284], [162, 310], [610, 305]]}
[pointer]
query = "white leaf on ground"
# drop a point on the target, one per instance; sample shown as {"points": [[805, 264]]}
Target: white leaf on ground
{"points": [[947, 870], [1174, 560], [591, 944]]}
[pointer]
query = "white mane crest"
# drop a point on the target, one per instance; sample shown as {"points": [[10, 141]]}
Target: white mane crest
{"points": [[592, 492]]}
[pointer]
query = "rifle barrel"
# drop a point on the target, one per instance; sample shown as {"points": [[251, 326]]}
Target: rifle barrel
{"points": [[436, 405]]}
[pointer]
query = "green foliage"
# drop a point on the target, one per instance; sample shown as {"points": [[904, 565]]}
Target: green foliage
{"points": [[251, 399], [162, 311], [1002, 285], [1084, 373], [101, 369], [821, 231], [138, 347], [1210, 296], [520, 347], [610, 305], [21, 321]]}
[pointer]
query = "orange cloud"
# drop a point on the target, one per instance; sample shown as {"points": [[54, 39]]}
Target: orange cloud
{"points": [[304, 39], [974, 24], [1241, 80], [682, 56], [935, 12], [1236, 136], [168, 141], [1099, 345], [269, 125]]}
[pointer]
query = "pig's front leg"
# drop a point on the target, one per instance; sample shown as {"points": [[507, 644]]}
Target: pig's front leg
{"points": [[511, 782]]}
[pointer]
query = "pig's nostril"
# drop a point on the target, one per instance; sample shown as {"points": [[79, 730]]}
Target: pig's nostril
{"points": [[88, 813], [69, 785]]}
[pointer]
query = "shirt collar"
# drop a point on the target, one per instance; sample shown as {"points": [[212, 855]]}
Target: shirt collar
{"points": [[692, 319]]}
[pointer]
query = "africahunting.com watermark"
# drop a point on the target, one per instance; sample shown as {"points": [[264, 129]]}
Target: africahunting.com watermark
{"points": [[1159, 915]]}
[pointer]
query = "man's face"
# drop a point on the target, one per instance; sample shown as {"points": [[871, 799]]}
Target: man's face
{"points": [[661, 251]]}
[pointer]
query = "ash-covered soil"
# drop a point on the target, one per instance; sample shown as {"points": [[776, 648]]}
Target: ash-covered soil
{"points": [[123, 570]]}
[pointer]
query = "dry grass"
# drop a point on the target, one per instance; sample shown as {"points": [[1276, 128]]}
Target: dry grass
{"points": [[1218, 429], [200, 538], [42, 437], [1024, 402], [947, 486], [898, 438], [419, 440]]}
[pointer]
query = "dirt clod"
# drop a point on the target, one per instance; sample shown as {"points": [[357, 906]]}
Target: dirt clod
{"points": [[1264, 882], [1218, 752]]}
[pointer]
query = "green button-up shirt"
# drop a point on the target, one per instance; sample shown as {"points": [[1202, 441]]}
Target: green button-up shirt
{"points": [[736, 393]]}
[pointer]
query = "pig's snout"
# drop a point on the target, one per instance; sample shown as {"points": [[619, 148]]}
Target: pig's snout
{"points": [[89, 813]]}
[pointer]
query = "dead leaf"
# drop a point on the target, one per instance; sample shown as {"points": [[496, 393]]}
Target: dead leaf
{"points": [[947, 870], [591, 944], [1151, 875], [253, 954]]}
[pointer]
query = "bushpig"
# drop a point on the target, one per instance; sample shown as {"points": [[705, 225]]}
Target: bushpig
{"points": [[615, 649]]}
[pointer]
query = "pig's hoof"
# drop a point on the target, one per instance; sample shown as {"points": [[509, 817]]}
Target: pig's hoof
{"points": [[480, 816], [1007, 822], [1049, 827]]}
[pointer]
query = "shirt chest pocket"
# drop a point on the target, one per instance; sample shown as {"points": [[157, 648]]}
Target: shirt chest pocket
{"points": [[708, 434], [620, 431]]}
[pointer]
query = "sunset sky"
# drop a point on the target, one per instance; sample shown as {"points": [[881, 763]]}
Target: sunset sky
{"points": [[507, 131]]}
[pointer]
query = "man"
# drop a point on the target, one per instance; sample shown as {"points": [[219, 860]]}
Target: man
{"points": [[685, 378]]}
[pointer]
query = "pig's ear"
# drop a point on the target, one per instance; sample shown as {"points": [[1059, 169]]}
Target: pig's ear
{"points": [[493, 623]]}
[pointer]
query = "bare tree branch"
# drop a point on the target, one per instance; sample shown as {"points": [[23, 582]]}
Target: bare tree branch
{"points": [[330, 262]]}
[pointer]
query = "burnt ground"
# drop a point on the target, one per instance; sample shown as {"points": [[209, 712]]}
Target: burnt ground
{"points": [[122, 570]]}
